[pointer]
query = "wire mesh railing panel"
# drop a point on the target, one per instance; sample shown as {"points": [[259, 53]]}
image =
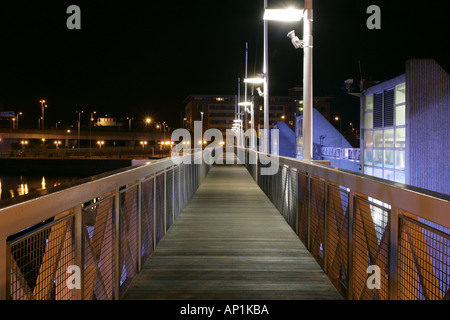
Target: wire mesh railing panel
{"points": [[39, 259], [148, 224], [291, 195], [370, 248], [302, 206], [188, 177], [176, 192], [337, 237], [159, 207], [99, 248], [317, 219], [423, 260], [129, 235], [169, 198]]}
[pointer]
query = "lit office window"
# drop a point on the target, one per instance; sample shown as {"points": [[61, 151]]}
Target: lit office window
{"points": [[400, 160], [368, 156], [378, 138], [368, 170], [400, 176], [389, 175], [400, 115], [400, 137], [389, 159], [389, 138], [378, 158], [368, 138], [384, 120], [368, 120], [369, 103], [400, 93]]}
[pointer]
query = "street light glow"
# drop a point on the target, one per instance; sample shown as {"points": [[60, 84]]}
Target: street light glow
{"points": [[254, 80], [290, 14]]}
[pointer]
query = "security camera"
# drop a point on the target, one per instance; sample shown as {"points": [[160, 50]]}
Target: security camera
{"points": [[261, 94], [348, 84], [295, 40]]}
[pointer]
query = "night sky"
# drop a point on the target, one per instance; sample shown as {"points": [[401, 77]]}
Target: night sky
{"points": [[142, 58]]}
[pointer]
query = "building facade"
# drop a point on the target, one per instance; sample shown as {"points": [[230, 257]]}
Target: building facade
{"points": [[405, 127], [219, 111]]}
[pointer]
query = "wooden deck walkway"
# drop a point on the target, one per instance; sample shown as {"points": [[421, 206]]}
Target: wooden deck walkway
{"points": [[230, 242]]}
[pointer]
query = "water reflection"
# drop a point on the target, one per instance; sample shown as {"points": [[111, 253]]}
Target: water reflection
{"points": [[11, 187]]}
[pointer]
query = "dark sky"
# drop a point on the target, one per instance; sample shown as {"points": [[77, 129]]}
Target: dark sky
{"points": [[139, 58]]}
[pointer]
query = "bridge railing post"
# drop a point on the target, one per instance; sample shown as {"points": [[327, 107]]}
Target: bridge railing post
{"points": [[117, 268], [393, 252], [79, 249]]}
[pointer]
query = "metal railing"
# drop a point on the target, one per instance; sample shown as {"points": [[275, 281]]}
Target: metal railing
{"points": [[341, 153], [103, 227], [358, 227]]}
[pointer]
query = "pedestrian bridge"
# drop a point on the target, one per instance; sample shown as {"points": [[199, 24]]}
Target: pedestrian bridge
{"points": [[189, 230]]}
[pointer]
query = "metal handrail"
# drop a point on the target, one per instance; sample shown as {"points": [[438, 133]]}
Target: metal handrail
{"points": [[24, 212]]}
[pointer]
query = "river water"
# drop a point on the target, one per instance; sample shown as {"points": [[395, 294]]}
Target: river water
{"points": [[16, 186]]}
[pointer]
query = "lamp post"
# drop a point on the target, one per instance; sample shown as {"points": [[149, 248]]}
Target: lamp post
{"points": [[42, 110], [257, 80], [266, 84], [308, 82], [129, 122], [90, 132], [297, 15], [79, 126], [17, 123], [340, 123]]}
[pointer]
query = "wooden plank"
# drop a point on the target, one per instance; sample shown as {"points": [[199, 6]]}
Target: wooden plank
{"points": [[230, 242]]}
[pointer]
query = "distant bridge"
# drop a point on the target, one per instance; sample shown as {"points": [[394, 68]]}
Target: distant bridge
{"points": [[84, 135]]}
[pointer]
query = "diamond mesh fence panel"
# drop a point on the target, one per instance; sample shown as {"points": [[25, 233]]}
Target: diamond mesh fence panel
{"points": [[129, 235], [302, 207], [337, 237], [423, 260], [159, 212], [99, 249], [370, 247], [317, 219], [39, 258], [148, 217], [169, 198]]}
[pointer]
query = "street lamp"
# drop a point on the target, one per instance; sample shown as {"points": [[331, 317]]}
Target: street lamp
{"points": [[90, 131], [79, 126], [42, 110], [295, 15], [275, 15], [147, 121], [340, 123], [129, 122], [100, 143], [144, 143], [17, 123]]}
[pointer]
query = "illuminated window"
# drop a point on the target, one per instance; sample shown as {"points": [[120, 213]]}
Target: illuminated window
{"points": [[368, 138], [400, 93], [369, 103], [389, 138], [400, 115], [400, 137]]}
